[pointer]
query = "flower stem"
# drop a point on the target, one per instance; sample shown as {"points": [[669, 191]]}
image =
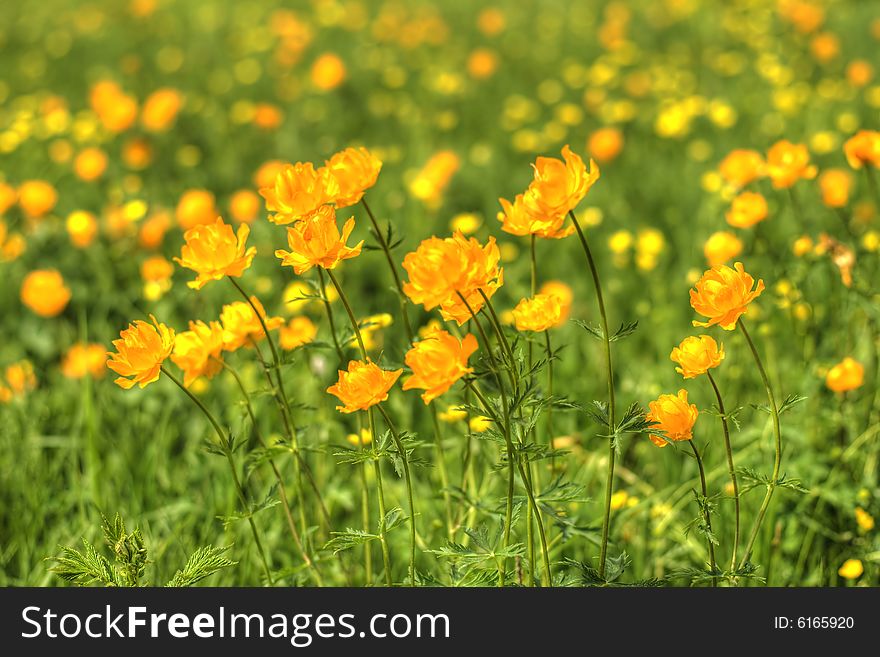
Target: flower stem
{"points": [[777, 435], [224, 447], [550, 394], [606, 338], [706, 515], [330, 319], [730, 467]]}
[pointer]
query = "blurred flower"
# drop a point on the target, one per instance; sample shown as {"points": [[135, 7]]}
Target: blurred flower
{"points": [[517, 221], [297, 332], [843, 257], [244, 206], [806, 17], [213, 251], [696, 355], [328, 72], [557, 186], [156, 268], [825, 47], [741, 167], [8, 197], [364, 438], [197, 351], [465, 222], [835, 185], [452, 414], [620, 242], [480, 423], [565, 295], [864, 519], [20, 378], [140, 351], [44, 292], [90, 164], [36, 198], [355, 171], [437, 362], [482, 63], [539, 313], [723, 294], [491, 21], [241, 325], [802, 245], [370, 327], [722, 247], [116, 110], [619, 500], [863, 149], [859, 73], [266, 174], [152, 231], [674, 416], [83, 360], [442, 269], [317, 242], [298, 192], [851, 569], [429, 184], [605, 144], [12, 245], [267, 116], [81, 227], [160, 109], [870, 240], [137, 153], [787, 163], [746, 210], [362, 385], [649, 245], [196, 207], [848, 374]]}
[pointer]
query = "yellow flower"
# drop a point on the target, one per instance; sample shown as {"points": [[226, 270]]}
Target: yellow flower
{"points": [[244, 206], [241, 325], [298, 331], [620, 242], [90, 164], [851, 569], [480, 423], [433, 178], [723, 294], [355, 171], [362, 385], [298, 192], [160, 109], [864, 519], [674, 416], [452, 414], [517, 221], [44, 292], [787, 163], [36, 198], [317, 242], [540, 313], [746, 210], [140, 351], [722, 247], [8, 197], [863, 149], [649, 245], [196, 207], [848, 374], [835, 185], [619, 500], [437, 362], [116, 110], [364, 438], [197, 351], [559, 186], [565, 295], [605, 144], [802, 245], [697, 355], [370, 326], [82, 228], [20, 378], [328, 72], [214, 251], [465, 222], [741, 166], [442, 269], [83, 360]]}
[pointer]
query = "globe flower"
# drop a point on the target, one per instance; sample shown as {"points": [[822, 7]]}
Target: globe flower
{"points": [[83, 360], [355, 171], [90, 164], [44, 292], [297, 332], [36, 198], [835, 185], [316, 242], [362, 385], [116, 110], [674, 416], [442, 269], [82, 227], [197, 351], [848, 374], [160, 109], [864, 520], [153, 229], [516, 221], [214, 251], [241, 325], [437, 362], [559, 186], [539, 313], [723, 294], [741, 167], [787, 163], [851, 569], [267, 116], [140, 351], [298, 192], [137, 153], [20, 378], [565, 295], [244, 206], [722, 247], [358, 439], [863, 149], [8, 197], [196, 207], [746, 210], [697, 355], [430, 182], [328, 71], [605, 144]]}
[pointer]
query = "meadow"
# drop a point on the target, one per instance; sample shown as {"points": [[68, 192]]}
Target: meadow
{"points": [[493, 375]]}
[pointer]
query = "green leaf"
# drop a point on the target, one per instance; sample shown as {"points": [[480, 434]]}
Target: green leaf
{"points": [[348, 539], [203, 563]]}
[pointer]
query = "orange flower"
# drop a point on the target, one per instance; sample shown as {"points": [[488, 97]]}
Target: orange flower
{"points": [[37, 198], [241, 325], [697, 355], [316, 242], [863, 149], [559, 186], [298, 192], [741, 166], [364, 384], [137, 153], [267, 116], [437, 362], [266, 174], [197, 351], [835, 185], [44, 292], [722, 247], [140, 352], [565, 295], [83, 360], [196, 207], [152, 231], [355, 171], [244, 206], [160, 109], [787, 163], [12, 245], [674, 416], [848, 374], [116, 110], [516, 221], [214, 251], [82, 228], [859, 73], [20, 377], [605, 144], [482, 63], [90, 164], [441, 269], [328, 72], [299, 331], [539, 313], [156, 268], [8, 197], [746, 210], [723, 294]]}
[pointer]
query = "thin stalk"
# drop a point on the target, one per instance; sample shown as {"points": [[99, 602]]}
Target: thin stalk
{"points": [[365, 514], [606, 338], [330, 320], [444, 475], [224, 446], [550, 394], [730, 467], [777, 436], [706, 515]]}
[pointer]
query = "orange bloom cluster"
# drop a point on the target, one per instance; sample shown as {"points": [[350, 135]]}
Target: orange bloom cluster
{"points": [[317, 242], [673, 415], [362, 385], [541, 312], [116, 109], [437, 362], [140, 351], [848, 374], [83, 360], [723, 294], [214, 251], [863, 149], [787, 163], [197, 351]]}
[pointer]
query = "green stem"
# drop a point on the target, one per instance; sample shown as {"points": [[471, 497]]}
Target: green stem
{"points": [[550, 394], [730, 467], [606, 338], [706, 515], [330, 320]]}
